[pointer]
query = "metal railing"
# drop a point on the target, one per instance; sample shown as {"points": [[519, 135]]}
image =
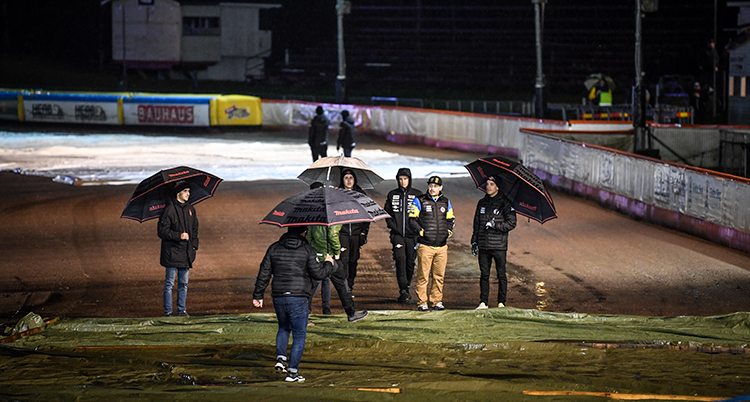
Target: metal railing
{"points": [[557, 111]]}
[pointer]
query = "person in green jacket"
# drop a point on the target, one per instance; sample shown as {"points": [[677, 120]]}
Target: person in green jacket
{"points": [[325, 240]]}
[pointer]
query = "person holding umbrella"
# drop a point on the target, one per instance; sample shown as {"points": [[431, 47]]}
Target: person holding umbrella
{"points": [[404, 241], [352, 235], [493, 219], [178, 231], [431, 215], [317, 135], [294, 265]]}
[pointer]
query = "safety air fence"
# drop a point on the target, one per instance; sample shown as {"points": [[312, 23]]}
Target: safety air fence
{"points": [[701, 202], [128, 108]]}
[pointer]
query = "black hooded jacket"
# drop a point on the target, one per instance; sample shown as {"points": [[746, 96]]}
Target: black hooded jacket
{"points": [[346, 133], [359, 228], [397, 205], [317, 134], [294, 266], [177, 219]]}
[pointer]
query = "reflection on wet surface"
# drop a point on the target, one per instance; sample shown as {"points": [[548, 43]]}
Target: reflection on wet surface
{"points": [[541, 293]]}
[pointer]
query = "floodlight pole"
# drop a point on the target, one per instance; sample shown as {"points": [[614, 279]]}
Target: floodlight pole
{"points": [[539, 104], [341, 77], [639, 118], [124, 64]]}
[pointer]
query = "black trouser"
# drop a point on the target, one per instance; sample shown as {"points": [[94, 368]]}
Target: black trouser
{"points": [[485, 265], [338, 279], [319, 151], [405, 256], [350, 255]]}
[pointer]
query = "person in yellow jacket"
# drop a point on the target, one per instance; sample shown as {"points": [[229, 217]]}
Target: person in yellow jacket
{"points": [[431, 215]]}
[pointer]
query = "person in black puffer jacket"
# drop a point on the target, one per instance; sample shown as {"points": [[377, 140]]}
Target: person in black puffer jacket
{"points": [[403, 239], [493, 219], [294, 266], [178, 231], [431, 215]]}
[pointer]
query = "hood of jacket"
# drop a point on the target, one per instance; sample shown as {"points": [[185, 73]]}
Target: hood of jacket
{"points": [[404, 172], [292, 240]]}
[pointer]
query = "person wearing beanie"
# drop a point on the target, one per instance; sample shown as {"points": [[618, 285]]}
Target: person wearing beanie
{"points": [[493, 219], [431, 215], [294, 265], [317, 134], [178, 231], [353, 235], [403, 239], [346, 134]]}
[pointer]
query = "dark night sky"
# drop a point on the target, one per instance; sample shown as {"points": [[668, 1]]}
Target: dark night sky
{"points": [[674, 37]]}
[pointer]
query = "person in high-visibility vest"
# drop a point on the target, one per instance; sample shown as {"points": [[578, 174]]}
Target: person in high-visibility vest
{"points": [[601, 94]]}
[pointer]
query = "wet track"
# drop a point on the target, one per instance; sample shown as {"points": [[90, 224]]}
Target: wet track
{"points": [[65, 252]]}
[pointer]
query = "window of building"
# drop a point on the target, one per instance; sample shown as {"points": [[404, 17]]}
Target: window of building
{"points": [[201, 26]]}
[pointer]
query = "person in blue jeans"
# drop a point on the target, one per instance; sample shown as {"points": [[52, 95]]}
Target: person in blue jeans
{"points": [[294, 266], [178, 231]]}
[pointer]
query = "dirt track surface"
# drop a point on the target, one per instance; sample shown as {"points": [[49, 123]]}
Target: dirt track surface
{"points": [[64, 251]]}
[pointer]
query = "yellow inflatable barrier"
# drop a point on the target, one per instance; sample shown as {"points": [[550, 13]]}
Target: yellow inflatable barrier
{"points": [[236, 110]]}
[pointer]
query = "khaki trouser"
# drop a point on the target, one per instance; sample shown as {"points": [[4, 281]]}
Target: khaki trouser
{"points": [[432, 263]]}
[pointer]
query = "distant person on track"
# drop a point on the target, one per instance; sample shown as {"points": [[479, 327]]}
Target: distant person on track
{"points": [[178, 231], [294, 265], [431, 215], [493, 219], [317, 134], [403, 239], [346, 134], [352, 235]]}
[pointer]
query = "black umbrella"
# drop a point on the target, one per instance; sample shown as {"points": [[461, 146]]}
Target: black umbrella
{"points": [[151, 195], [522, 187], [325, 206]]}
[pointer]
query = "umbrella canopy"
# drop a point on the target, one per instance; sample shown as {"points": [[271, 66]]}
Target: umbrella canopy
{"points": [[328, 171], [522, 187], [593, 80], [325, 206], [151, 195]]}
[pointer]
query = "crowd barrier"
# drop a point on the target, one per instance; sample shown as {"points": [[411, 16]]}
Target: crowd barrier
{"points": [[131, 108], [697, 201]]}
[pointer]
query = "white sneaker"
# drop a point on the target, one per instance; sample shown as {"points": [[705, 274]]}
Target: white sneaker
{"points": [[481, 306], [423, 307], [294, 377], [438, 306], [500, 304]]}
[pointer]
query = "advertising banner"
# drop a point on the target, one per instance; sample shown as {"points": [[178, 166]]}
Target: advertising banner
{"points": [[9, 109], [71, 109], [238, 110], [168, 111]]}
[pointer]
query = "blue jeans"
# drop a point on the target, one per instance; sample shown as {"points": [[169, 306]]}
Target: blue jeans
{"points": [[292, 313], [182, 286]]}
